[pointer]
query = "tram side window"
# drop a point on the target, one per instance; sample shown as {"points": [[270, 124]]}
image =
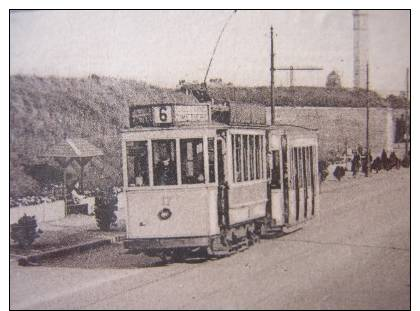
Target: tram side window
{"points": [[192, 161], [293, 168], [245, 155], [308, 168], [164, 162], [238, 167], [251, 157], [258, 157], [275, 183], [137, 164], [211, 148], [300, 168]]}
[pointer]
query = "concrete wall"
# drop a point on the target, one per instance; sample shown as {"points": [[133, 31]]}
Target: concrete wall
{"points": [[42, 212], [121, 212], [55, 210], [341, 127]]}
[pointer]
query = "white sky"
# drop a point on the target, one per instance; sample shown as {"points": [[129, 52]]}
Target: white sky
{"points": [[162, 47]]}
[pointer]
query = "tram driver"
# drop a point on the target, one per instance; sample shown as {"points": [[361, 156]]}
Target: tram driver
{"points": [[166, 172]]}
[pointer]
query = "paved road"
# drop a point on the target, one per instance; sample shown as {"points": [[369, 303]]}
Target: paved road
{"points": [[356, 256]]}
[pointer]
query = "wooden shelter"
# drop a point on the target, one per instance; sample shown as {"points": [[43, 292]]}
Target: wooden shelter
{"points": [[77, 149]]}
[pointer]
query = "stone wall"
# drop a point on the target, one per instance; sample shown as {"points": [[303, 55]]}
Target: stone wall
{"points": [[344, 127]]}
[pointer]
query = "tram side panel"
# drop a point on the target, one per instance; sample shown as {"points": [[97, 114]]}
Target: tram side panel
{"points": [[172, 213], [247, 202]]}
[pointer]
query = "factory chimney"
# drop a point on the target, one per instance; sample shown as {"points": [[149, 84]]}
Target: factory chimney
{"points": [[360, 47]]}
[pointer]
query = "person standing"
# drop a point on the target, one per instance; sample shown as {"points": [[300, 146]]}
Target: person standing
{"points": [[355, 164]]}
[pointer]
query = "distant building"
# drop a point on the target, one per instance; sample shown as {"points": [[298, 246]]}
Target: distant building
{"points": [[333, 80]]}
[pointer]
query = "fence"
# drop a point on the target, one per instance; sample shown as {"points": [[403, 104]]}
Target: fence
{"points": [[55, 210], [43, 212]]}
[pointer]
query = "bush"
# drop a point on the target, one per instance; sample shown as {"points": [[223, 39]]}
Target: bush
{"points": [[105, 207], [323, 170], [24, 231], [339, 172], [406, 161]]}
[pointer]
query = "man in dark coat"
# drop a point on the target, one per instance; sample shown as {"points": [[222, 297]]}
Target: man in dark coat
{"points": [[385, 161], [355, 163], [377, 164], [394, 161]]}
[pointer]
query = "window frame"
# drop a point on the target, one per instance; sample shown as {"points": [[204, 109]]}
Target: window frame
{"points": [[140, 143], [153, 136], [253, 170], [192, 161], [176, 159]]}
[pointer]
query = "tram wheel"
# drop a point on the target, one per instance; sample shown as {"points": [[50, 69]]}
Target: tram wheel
{"points": [[166, 256], [178, 255]]}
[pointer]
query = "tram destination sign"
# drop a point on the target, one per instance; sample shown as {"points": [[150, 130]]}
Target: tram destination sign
{"points": [[167, 114], [193, 114]]}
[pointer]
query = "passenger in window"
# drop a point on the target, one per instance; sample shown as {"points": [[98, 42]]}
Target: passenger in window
{"points": [[166, 172], [200, 178], [139, 181]]}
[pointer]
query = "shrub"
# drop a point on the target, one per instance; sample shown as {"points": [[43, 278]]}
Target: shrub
{"points": [[105, 207], [323, 170], [24, 231], [406, 161], [339, 172]]}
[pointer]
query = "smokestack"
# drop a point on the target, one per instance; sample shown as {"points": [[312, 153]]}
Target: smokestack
{"points": [[360, 47]]}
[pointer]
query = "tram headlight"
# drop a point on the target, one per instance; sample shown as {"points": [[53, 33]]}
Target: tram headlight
{"points": [[164, 214]]}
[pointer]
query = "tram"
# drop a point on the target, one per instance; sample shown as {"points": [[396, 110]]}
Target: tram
{"points": [[206, 179]]}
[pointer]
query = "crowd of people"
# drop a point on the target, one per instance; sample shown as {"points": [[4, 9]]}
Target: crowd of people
{"points": [[359, 163]]}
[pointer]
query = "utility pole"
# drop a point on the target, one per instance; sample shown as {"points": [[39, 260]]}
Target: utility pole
{"points": [[367, 121], [272, 77], [273, 69], [291, 69], [407, 127]]}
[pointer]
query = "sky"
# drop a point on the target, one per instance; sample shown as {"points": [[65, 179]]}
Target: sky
{"points": [[163, 47]]}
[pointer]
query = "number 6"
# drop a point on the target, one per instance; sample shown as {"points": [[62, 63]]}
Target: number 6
{"points": [[162, 114]]}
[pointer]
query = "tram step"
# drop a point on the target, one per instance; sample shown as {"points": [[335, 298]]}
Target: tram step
{"points": [[272, 232], [221, 251]]}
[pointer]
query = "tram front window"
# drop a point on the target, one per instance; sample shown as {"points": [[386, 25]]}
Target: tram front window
{"points": [[164, 162], [137, 165], [192, 161]]}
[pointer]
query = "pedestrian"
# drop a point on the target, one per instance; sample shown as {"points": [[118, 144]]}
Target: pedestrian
{"points": [[377, 164], [355, 163], [385, 161], [394, 161]]}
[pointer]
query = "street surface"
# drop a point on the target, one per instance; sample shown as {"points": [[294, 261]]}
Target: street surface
{"points": [[355, 256]]}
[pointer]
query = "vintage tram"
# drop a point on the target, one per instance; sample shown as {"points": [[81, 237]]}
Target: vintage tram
{"points": [[205, 179]]}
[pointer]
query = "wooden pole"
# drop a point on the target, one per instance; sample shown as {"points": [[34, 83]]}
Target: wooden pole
{"points": [[272, 77], [82, 166], [367, 121], [65, 190], [407, 77]]}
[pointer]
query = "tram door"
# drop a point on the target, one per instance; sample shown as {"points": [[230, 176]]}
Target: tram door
{"points": [[302, 191], [222, 194]]}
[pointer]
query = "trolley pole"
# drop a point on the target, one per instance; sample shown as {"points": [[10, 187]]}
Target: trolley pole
{"points": [[367, 121], [272, 77]]}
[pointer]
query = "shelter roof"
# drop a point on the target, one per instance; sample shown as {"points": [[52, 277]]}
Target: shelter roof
{"points": [[73, 148]]}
